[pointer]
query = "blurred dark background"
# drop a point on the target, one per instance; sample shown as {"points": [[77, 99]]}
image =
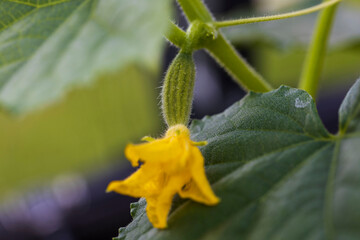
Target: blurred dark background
{"points": [[76, 207]]}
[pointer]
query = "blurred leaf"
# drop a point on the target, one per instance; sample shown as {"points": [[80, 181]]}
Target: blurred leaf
{"points": [[51, 46], [297, 31], [349, 112], [81, 133], [278, 172]]}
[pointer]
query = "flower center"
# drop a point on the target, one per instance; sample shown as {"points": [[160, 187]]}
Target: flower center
{"points": [[178, 130]]}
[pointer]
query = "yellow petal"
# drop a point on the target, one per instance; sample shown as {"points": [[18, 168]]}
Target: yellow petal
{"points": [[158, 207], [191, 190], [157, 151], [185, 156], [151, 212], [199, 187], [141, 183]]}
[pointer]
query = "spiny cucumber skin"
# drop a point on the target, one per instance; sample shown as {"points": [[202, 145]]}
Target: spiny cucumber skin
{"points": [[177, 91]]}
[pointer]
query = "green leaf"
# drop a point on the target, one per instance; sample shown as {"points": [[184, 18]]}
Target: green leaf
{"points": [[51, 46], [278, 172], [349, 112]]}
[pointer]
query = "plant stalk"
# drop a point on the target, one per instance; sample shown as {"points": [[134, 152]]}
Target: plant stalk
{"points": [[222, 51], [314, 60], [225, 54], [195, 10], [175, 35]]}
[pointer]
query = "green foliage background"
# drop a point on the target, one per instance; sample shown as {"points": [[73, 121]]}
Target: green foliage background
{"points": [[280, 46], [78, 81]]}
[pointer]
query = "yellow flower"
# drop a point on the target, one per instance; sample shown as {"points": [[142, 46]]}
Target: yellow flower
{"points": [[170, 165]]}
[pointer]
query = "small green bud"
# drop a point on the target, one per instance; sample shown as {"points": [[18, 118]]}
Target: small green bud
{"points": [[177, 91]]}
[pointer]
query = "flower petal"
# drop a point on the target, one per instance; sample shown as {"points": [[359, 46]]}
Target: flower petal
{"points": [[169, 163], [157, 151], [191, 190], [199, 189], [141, 183], [158, 208], [151, 212]]}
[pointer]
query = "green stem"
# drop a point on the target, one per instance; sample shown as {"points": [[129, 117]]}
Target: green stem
{"points": [[236, 66], [175, 35], [277, 16], [223, 51], [195, 9], [314, 61]]}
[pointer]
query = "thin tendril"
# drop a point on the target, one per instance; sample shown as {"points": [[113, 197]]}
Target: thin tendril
{"points": [[277, 16]]}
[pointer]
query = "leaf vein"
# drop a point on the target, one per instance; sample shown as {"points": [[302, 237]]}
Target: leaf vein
{"points": [[282, 180], [329, 194]]}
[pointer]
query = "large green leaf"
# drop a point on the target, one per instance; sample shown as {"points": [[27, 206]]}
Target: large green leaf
{"points": [[50, 46], [278, 172], [104, 55]]}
